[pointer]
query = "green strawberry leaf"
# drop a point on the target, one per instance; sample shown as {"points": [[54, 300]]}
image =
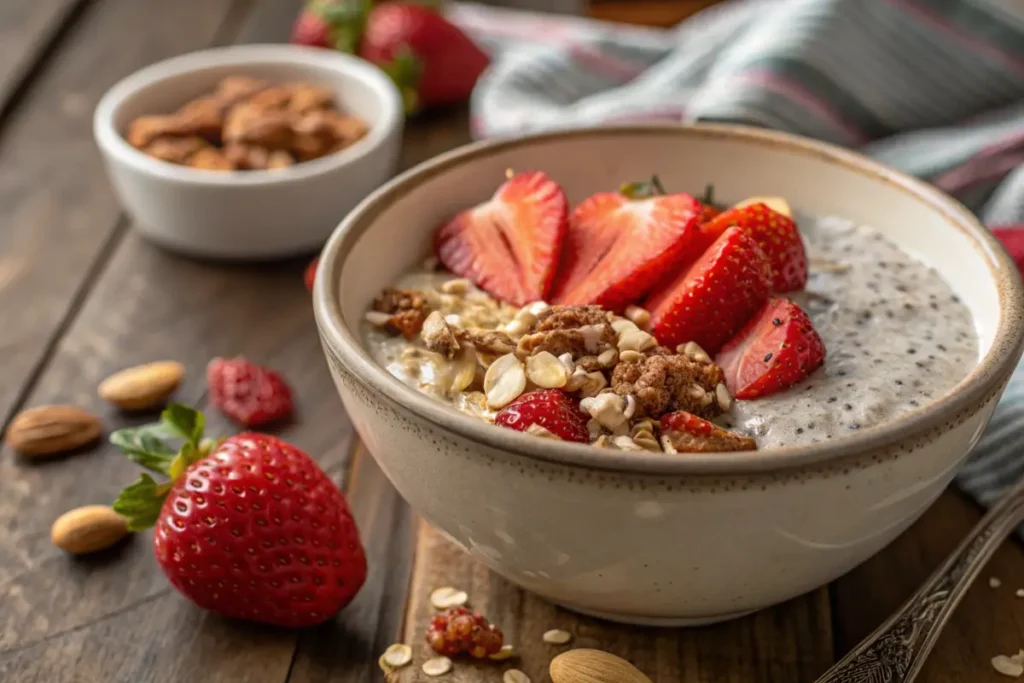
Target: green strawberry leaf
{"points": [[643, 189], [140, 503], [405, 70], [347, 19], [709, 195], [183, 421], [145, 446]]}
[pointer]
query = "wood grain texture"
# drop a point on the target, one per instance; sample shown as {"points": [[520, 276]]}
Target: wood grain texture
{"points": [[989, 621], [59, 212], [28, 28], [790, 643]]}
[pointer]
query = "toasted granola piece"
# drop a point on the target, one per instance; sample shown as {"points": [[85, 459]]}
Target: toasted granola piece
{"points": [[438, 336], [687, 433], [308, 97], [408, 309], [490, 342], [233, 89], [174, 149], [666, 383], [248, 123], [210, 159], [577, 330]]}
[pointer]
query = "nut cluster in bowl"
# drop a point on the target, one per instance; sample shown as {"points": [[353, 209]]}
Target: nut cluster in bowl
{"points": [[249, 124]]}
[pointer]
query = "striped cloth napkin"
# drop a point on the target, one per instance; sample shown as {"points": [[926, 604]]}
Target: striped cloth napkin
{"points": [[932, 87]]}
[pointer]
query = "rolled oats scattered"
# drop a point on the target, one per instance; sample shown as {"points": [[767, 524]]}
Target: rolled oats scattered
{"points": [[629, 356], [464, 370], [541, 431], [607, 409], [644, 425], [437, 666], [438, 335], [506, 652], [1012, 666], [397, 655], [566, 360], [666, 444], [723, 396], [635, 339], [697, 391], [1019, 593], [515, 676], [693, 351], [625, 443], [639, 316], [994, 582], [546, 371], [620, 325], [556, 637], [515, 328], [593, 383], [447, 597], [377, 319], [505, 381], [647, 441], [459, 286], [608, 358]]}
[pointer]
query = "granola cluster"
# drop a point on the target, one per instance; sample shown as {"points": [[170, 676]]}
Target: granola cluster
{"points": [[247, 124], [481, 355]]}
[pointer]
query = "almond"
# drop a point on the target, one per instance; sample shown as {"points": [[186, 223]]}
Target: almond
{"points": [[143, 386], [594, 666], [47, 430], [88, 529]]}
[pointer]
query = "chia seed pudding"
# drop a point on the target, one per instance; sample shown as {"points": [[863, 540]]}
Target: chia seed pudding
{"points": [[896, 336]]}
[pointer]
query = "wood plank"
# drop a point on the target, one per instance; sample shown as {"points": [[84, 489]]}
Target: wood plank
{"points": [[989, 621], [28, 28], [791, 642], [59, 212]]}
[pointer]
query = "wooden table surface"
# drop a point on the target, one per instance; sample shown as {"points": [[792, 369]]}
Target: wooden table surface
{"points": [[81, 296]]}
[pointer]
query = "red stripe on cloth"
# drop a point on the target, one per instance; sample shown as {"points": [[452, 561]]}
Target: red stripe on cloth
{"points": [[973, 43]]}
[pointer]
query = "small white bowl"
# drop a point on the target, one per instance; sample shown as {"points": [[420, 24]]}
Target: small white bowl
{"points": [[248, 214]]}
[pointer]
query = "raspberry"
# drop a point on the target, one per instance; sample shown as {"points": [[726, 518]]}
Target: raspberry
{"points": [[246, 392], [459, 631]]}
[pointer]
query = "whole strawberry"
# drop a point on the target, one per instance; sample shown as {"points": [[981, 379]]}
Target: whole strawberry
{"points": [[249, 394], [430, 59], [248, 527], [335, 24]]}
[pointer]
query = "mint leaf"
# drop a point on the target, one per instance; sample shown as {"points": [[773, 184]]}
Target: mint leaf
{"points": [[140, 503], [145, 446], [183, 421]]}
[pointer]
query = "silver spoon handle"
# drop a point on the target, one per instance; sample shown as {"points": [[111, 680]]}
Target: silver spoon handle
{"points": [[897, 649]]}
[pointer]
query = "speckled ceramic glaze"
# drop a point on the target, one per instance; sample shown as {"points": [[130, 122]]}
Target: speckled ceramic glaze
{"points": [[649, 538]]}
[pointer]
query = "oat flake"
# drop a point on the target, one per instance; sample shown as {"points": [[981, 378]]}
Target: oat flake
{"points": [[994, 582], [397, 656], [437, 666], [1008, 666], [447, 597], [515, 676], [557, 636]]}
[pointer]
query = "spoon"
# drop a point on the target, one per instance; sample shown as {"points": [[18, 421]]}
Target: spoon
{"points": [[897, 649]]}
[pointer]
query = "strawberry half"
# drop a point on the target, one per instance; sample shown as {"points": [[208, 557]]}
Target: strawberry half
{"points": [[713, 298], [551, 409], [775, 350], [690, 434], [776, 234], [249, 526], [509, 246], [619, 244]]}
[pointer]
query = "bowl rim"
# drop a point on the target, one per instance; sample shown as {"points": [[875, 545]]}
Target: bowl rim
{"points": [[992, 369], [113, 143]]}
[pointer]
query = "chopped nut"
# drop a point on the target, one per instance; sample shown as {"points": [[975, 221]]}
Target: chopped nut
{"points": [[625, 443], [556, 637], [174, 149], [247, 157], [1012, 666], [232, 89], [546, 371], [271, 98], [438, 336], [436, 666], [203, 117], [465, 370], [608, 358], [566, 360], [491, 342], [635, 339], [306, 97], [693, 351], [663, 384], [210, 159], [397, 655], [376, 318], [630, 406], [629, 356], [515, 676], [608, 409], [252, 124], [639, 316], [592, 384], [723, 396], [505, 381], [280, 159], [447, 597], [146, 129]]}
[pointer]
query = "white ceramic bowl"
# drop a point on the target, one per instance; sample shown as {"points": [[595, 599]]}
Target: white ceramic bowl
{"points": [[251, 214], [650, 538]]}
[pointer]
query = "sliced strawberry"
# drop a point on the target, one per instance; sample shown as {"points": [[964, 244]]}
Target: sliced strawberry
{"points": [[509, 245], [620, 244], [708, 202], [775, 233], [551, 409], [713, 298], [690, 434], [775, 350]]}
